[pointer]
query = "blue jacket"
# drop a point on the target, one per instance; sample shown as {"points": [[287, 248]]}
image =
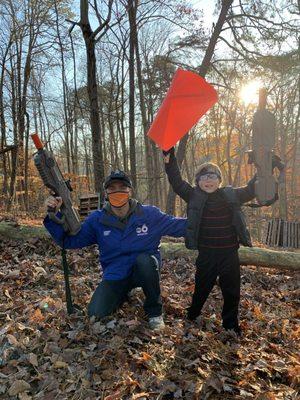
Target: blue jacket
{"points": [[119, 244]]}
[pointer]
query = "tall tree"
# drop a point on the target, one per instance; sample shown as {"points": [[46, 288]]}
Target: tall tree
{"points": [[4, 56], [132, 9], [91, 37]]}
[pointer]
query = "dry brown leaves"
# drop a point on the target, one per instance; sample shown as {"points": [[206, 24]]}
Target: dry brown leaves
{"points": [[46, 354]]}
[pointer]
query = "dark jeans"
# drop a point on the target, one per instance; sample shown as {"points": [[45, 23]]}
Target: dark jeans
{"points": [[210, 265], [110, 295]]}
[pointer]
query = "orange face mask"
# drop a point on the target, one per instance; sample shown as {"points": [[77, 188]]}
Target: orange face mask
{"points": [[118, 199]]}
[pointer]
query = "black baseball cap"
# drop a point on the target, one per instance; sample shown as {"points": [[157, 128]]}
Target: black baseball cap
{"points": [[117, 175]]}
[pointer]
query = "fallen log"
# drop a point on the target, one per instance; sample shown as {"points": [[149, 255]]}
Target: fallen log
{"points": [[256, 256], [12, 230]]}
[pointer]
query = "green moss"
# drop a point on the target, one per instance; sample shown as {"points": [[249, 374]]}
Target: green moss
{"points": [[9, 231]]}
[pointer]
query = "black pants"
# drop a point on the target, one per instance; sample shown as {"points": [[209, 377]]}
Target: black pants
{"points": [[110, 295], [210, 265]]}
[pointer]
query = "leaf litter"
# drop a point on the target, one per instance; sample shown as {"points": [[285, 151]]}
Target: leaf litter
{"points": [[47, 354]]}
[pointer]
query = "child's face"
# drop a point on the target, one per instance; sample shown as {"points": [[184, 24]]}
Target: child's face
{"points": [[209, 182]]}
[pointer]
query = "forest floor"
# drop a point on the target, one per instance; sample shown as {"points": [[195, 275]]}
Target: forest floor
{"points": [[46, 354]]}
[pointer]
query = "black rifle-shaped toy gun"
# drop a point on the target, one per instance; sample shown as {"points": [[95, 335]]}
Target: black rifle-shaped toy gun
{"points": [[54, 180]]}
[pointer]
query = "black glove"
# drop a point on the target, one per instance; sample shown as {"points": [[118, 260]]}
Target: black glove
{"points": [[171, 151], [277, 162]]}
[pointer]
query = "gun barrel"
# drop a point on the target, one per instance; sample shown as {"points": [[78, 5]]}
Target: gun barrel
{"points": [[262, 101], [37, 141]]}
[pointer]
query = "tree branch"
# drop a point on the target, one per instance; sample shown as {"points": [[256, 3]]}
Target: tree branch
{"points": [[9, 148]]}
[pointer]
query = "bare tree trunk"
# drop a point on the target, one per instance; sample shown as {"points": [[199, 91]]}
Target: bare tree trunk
{"points": [[74, 144], [119, 107], [14, 155], [217, 120], [90, 40], [26, 161], [228, 145], [149, 165], [2, 121], [22, 112], [76, 106], [87, 160], [132, 42], [97, 134], [65, 92], [121, 128]]}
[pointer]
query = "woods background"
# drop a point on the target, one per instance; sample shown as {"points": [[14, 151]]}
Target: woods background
{"points": [[90, 76]]}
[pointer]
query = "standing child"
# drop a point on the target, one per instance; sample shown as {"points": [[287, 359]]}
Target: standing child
{"points": [[215, 227]]}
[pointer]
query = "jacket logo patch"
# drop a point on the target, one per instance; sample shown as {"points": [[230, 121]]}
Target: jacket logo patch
{"points": [[143, 230], [106, 233]]}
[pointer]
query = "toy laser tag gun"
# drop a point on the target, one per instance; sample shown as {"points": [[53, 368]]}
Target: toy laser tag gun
{"points": [[263, 142], [54, 180]]}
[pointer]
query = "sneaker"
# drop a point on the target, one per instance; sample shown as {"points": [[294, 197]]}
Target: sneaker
{"points": [[157, 323]]}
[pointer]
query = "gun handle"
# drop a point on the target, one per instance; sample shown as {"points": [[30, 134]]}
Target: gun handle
{"points": [[54, 218], [51, 210]]}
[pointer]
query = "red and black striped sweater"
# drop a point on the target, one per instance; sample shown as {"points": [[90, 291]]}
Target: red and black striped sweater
{"points": [[216, 230]]}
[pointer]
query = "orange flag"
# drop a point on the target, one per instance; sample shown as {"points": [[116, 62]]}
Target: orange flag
{"points": [[188, 99]]}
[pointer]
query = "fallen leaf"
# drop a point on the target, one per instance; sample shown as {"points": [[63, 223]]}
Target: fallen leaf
{"points": [[115, 396], [14, 274], [6, 292], [266, 396], [24, 396], [258, 313], [142, 395], [215, 382], [60, 364], [12, 340], [145, 356], [294, 376], [17, 387], [285, 323], [37, 316], [32, 358], [40, 270]]}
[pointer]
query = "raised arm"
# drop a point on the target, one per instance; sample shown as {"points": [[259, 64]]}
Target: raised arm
{"points": [[247, 192], [180, 186]]}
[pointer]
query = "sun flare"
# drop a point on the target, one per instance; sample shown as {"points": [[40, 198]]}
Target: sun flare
{"points": [[249, 93]]}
